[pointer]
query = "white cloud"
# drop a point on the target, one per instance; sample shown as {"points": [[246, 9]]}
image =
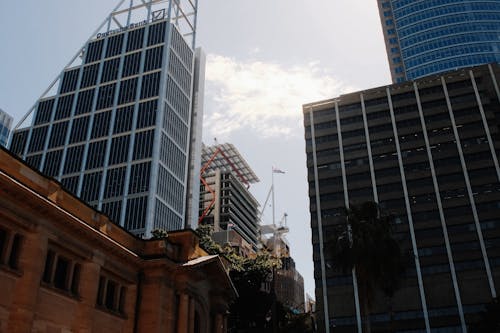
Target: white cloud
{"points": [[265, 97]]}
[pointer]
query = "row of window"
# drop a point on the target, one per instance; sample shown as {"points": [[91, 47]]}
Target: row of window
{"points": [[100, 128], [452, 63], [432, 13], [456, 29], [135, 38], [448, 20], [450, 47], [126, 95]]}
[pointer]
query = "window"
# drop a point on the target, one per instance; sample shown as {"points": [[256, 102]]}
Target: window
{"points": [[71, 183], [114, 183], [84, 103], [119, 150], [44, 111], [150, 85], [58, 134], [90, 75], [61, 272], [73, 159], [95, 158], [147, 114], [111, 295], [94, 51], [153, 59], [139, 178], [127, 91], [132, 64], [79, 130], [106, 96], [110, 70], [123, 120], [135, 38], [70, 79], [64, 105], [52, 163], [10, 247], [91, 184], [37, 141], [114, 45], [100, 126], [156, 34], [143, 145]]}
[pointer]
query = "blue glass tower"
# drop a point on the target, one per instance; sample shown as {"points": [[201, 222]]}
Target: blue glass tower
{"points": [[426, 37], [120, 124]]}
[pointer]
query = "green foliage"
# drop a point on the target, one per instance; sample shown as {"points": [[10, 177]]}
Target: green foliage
{"points": [[159, 234], [258, 268], [290, 322], [250, 312]]}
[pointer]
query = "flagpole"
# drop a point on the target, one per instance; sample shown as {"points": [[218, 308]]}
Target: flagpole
{"points": [[272, 186]]}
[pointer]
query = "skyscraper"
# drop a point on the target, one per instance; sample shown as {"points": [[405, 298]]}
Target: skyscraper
{"points": [[429, 37], [5, 126], [116, 126], [427, 151]]}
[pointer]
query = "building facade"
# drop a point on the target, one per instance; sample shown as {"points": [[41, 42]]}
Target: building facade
{"points": [[289, 286], [5, 126], [427, 151], [430, 37], [225, 199], [120, 129], [65, 267]]}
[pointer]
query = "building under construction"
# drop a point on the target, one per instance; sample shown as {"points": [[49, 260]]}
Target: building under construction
{"points": [[225, 201]]}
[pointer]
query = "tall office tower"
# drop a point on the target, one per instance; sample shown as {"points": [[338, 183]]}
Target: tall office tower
{"points": [[225, 199], [427, 151], [430, 37], [116, 127], [5, 126]]}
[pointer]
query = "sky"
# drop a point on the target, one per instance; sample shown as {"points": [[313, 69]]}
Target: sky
{"points": [[265, 59]]}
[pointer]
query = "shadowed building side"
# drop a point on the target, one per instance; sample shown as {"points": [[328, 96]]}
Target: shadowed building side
{"points": [[427, 151]]}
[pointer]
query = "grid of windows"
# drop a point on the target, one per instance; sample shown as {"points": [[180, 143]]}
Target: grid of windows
{"points": [[96, 111], [440, 35], [453, 193]]}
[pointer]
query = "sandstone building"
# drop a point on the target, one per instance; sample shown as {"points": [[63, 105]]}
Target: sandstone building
{"points": [[64, 267]]}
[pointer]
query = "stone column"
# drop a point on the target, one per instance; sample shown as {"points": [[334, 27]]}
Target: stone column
{"points": [[192, 309], [89, 283], [183, 314], [32, 264], [219, 323]]}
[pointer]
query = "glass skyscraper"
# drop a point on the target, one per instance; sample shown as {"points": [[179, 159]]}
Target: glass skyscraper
{"points": [[5, 126], [434, 36], [117, 131]]}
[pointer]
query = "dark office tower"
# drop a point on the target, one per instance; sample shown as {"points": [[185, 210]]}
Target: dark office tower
{"points": [[427, 151], [116, 126], [431, 37]]}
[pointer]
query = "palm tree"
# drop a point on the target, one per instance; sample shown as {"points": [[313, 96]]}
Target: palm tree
{"points": [[365, 241], [489, 320]]}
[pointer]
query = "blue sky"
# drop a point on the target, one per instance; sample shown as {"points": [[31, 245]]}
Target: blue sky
{"points": [[265, 58]]}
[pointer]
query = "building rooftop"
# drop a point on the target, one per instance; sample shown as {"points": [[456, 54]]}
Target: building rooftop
{"points": [[227, 158]]}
